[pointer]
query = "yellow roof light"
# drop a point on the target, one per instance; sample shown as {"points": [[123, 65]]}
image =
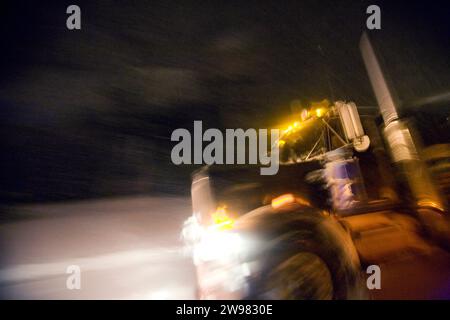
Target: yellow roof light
{"points": [[320, 112]]}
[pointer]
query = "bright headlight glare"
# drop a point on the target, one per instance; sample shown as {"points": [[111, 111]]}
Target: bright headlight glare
{"points": [[218, 245]]}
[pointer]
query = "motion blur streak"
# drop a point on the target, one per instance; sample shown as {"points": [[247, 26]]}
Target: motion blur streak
{"points": [[127, 248], [29, 272]]}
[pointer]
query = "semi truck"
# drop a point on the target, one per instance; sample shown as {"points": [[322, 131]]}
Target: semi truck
{"points": [[359, 191]]}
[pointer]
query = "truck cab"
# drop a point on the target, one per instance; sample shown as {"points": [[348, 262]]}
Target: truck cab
{"points": [[356, 188]]}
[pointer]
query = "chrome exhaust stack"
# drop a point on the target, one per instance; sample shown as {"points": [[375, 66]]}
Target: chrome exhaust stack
{"points": [[403, 149]]}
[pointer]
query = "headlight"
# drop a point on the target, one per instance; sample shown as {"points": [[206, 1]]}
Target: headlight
{"points": [[218, 245]]}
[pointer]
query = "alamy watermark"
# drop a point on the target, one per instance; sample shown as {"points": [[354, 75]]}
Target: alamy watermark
{"points": [[73, 21], [373, 22], [229, 150], [374, 280], [73, 281]]}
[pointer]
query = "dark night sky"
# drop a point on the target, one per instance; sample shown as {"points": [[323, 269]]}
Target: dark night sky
{"points": [[139, 69]]}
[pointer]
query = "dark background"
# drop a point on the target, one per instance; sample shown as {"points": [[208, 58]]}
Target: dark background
{"points": [[89, 113]]}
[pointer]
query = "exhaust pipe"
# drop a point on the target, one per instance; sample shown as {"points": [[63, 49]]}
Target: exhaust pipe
{"points": [[403, 148]]}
